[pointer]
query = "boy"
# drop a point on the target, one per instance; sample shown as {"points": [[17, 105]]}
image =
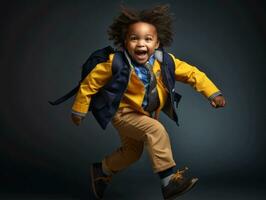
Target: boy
{"points": [[133, 96]]}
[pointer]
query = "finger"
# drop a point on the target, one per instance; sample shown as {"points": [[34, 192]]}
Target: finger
{"points": [[223, 103], [77, 122], [213, 104]]}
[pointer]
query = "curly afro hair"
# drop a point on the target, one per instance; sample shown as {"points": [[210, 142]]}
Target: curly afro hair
{"points": [[158, 16]]}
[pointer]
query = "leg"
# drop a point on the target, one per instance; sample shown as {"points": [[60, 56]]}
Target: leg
{"points": [[129, 152], [138, 129]]}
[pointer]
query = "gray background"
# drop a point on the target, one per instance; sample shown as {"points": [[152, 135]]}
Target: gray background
{"points": [[44, 44]]}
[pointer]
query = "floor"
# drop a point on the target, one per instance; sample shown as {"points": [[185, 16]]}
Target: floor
{"points": [[140, 187]]}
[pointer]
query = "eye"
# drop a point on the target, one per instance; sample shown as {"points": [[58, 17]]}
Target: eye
{"points": [[148, 39], [133, 38]]}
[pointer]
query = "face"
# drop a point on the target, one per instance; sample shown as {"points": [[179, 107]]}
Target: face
{"points": [[141, 41]]}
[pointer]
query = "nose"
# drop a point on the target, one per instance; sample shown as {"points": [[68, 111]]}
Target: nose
{"points": [[140, 43]]}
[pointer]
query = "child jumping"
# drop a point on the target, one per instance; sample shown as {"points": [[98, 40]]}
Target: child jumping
{"points": [[132, 96]]}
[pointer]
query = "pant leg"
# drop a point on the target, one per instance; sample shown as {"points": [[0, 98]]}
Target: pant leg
{"points": [[129, 152], [138, 129]]}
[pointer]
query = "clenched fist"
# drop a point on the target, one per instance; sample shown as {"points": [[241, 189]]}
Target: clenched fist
{"points": [[76, 119], [218, 101]]}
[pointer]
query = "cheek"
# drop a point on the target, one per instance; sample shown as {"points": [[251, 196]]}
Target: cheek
{"points": [[153, 46], [130, 46]]}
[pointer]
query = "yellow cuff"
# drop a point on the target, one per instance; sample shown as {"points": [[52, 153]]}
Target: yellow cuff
{"points": [[81, 108]]}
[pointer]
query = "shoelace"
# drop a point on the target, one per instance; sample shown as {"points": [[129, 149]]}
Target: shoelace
{"points": [[179, 174], [106, 179]]}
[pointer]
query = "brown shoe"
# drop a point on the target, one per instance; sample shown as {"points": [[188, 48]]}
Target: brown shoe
{"points": [[99, 180], [178, 185]]}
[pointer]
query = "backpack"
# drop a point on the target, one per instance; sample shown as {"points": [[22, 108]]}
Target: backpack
{"points": [[99, 56], [102, 55]]}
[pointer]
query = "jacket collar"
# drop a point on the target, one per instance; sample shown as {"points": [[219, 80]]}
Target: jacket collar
{"points": [[158, 55]]}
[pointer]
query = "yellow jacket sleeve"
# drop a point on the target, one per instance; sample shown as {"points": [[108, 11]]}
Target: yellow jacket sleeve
{"points": [[194, 77], [96, 79]]}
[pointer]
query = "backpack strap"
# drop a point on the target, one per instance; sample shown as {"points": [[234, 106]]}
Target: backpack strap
{"points": [[65, 97], [99, 56], [118, 61]]}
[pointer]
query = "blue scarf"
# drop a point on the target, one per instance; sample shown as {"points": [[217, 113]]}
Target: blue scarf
{"points": [[144, 75]]}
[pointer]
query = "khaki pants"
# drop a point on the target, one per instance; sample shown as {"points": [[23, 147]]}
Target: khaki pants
{"points": [[137, 130]]}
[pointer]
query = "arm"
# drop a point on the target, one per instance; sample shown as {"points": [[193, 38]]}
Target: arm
{"points": [[199, 81], [96, 79]]}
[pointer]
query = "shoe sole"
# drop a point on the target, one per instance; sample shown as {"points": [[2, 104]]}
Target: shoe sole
{"points": [[193, 183], [92, 183]]}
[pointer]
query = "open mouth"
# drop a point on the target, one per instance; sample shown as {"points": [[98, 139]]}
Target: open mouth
{"points": [[141, 54]]}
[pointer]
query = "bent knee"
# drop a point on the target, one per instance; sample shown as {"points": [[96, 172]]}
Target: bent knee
{"points": [[157, 134], [133, 154]]}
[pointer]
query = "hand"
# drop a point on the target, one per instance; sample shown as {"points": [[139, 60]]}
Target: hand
{"points": [[76, 119], [218, 101]]}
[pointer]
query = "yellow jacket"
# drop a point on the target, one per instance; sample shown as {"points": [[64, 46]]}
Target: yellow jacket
{"points": [[135, 91]]}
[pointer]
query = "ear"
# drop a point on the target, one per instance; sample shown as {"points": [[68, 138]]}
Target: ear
{"points": [[157, 44], [125, 42]]}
